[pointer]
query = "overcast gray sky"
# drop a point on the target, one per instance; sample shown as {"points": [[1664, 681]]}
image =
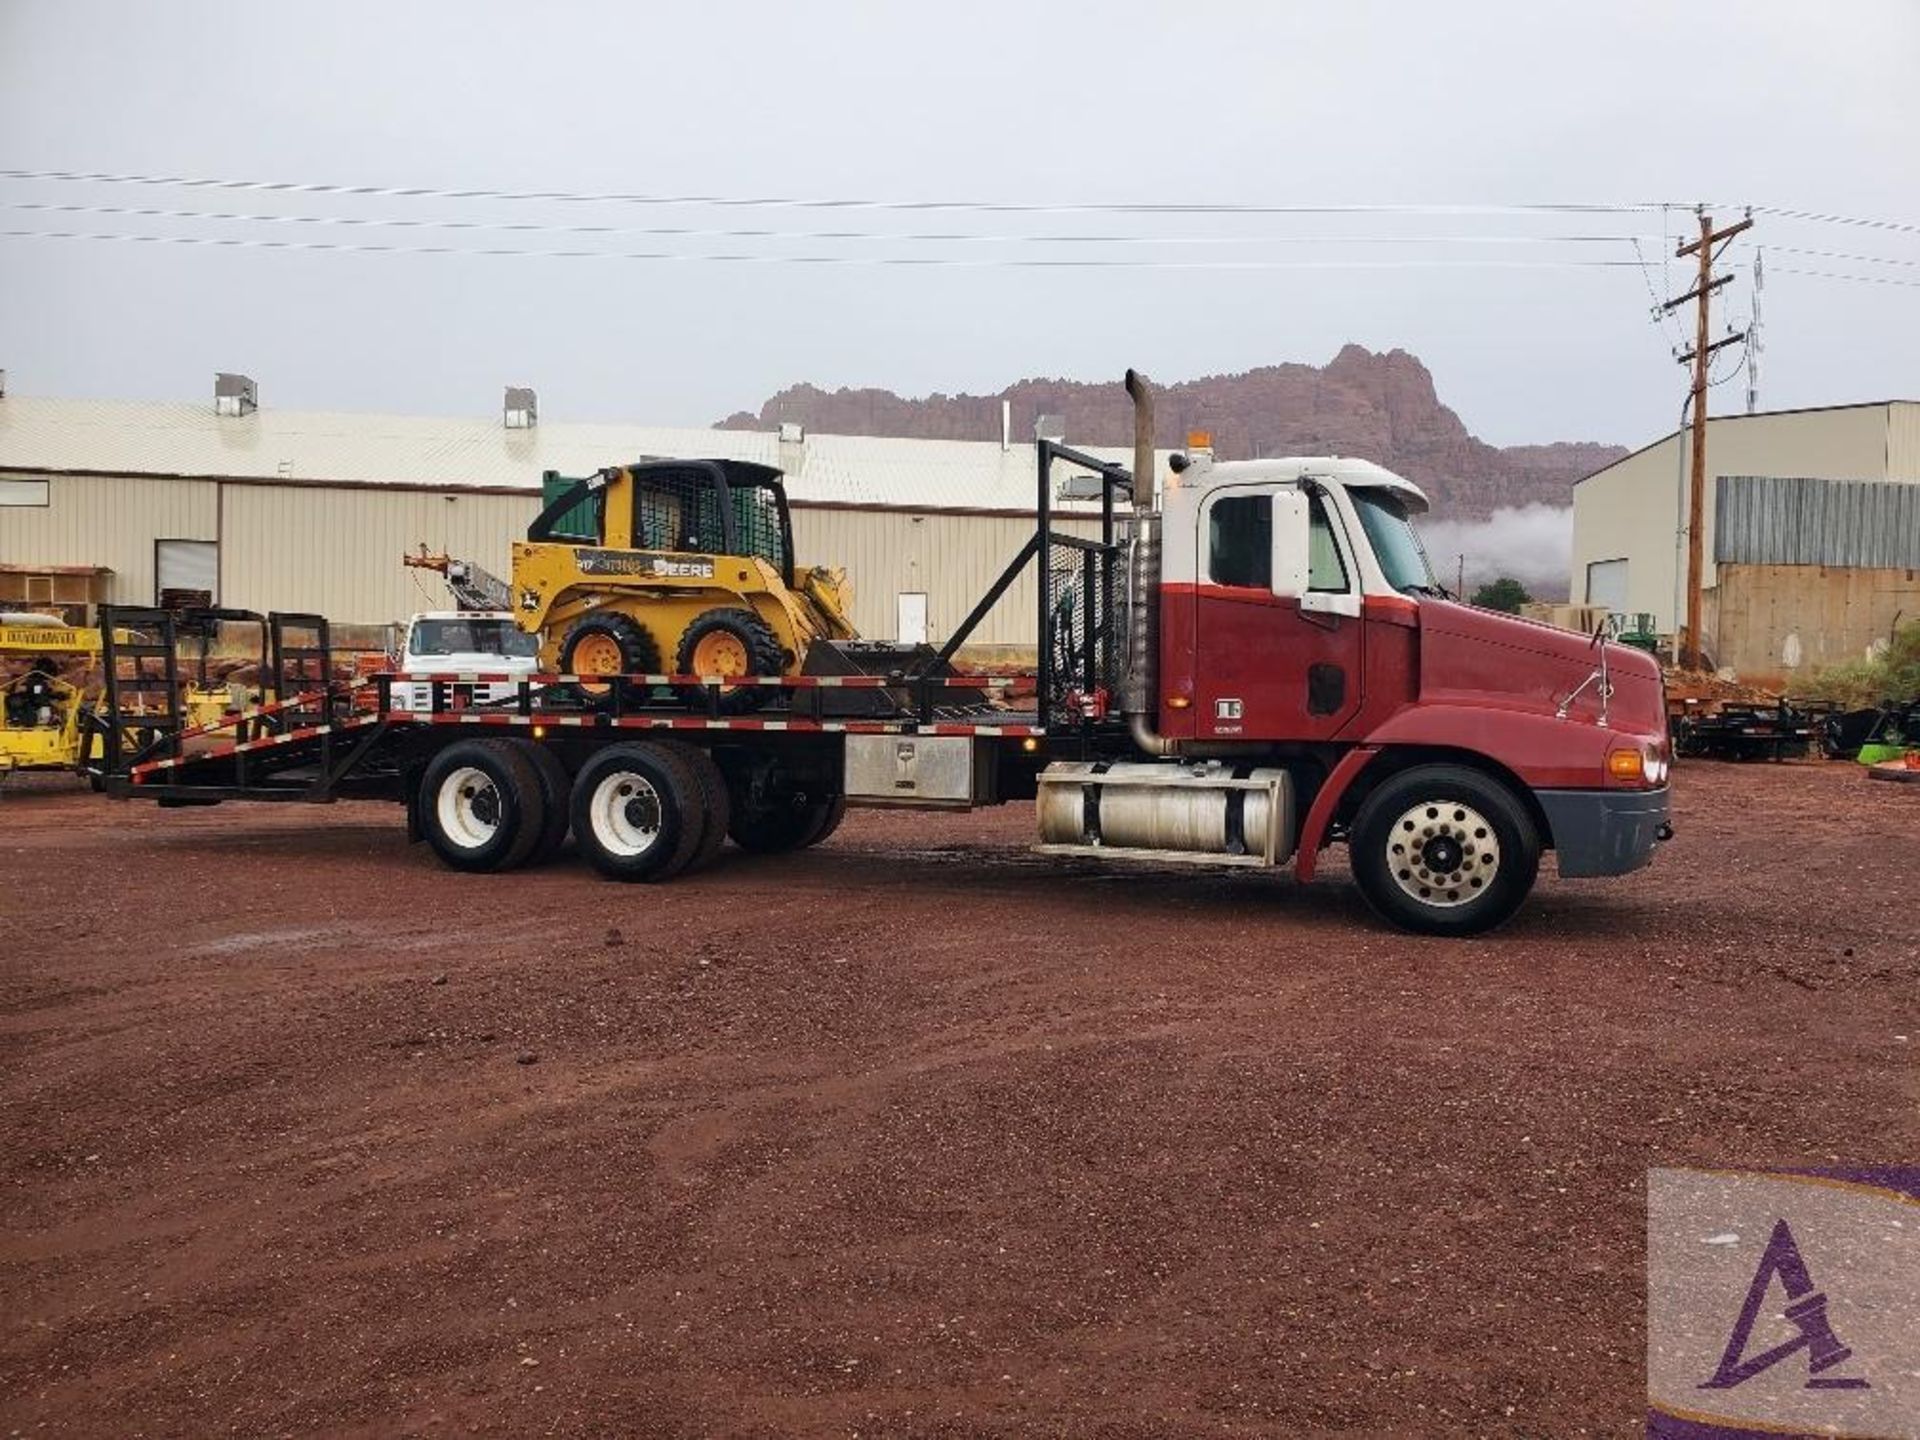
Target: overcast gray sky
{"points": [[1769, 102]]}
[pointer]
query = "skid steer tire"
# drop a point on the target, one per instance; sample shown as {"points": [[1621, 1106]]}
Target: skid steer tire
{"points": [[639, 812], [556, 787], [717, 804], [604, 640], [1444, 850], [481, 805], [729, 641]]}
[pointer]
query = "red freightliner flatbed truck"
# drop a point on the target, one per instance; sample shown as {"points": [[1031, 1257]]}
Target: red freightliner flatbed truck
{"points": [[1242, 669]]}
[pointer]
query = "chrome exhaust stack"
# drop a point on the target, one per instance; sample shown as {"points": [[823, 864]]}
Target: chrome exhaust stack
{"points": [[1139, 692]]}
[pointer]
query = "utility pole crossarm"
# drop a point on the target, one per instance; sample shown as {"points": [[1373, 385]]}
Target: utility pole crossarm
{"points": [[1716, 345], [1711, 236], [1694, 294]]}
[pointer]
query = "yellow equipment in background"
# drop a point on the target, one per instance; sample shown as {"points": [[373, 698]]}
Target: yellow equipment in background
{"points": [[681, 566], [40, 709], [42, 713]]}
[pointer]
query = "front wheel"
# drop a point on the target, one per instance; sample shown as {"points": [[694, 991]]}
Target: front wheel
{"points": [[1444, 850]]}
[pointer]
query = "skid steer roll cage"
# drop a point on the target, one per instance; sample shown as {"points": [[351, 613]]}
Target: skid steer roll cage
{"points": [[745, 475]]}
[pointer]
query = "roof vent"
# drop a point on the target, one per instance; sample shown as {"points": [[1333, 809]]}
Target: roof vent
{"points": [[1050, 427], [792, 433], [234, 394], [522, 408]]}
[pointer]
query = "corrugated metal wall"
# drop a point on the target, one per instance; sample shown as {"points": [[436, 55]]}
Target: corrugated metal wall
{"points": [[952, 559], [1903, 440], [1856, 524], [110, 521], [337, 551]]}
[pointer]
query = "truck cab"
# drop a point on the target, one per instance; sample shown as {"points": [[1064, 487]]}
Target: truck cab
{"points": [[485, 647], [1300, 629]]}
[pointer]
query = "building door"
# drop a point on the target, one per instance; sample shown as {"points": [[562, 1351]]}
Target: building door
{"points": [[187, 570], [910, 623], [1607, 585]]}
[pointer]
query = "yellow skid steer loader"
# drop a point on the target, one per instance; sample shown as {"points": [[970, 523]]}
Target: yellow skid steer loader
{"points": [[686, 566]]}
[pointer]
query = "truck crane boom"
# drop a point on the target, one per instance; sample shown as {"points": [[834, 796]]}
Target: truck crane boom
{"points": [[474, 587]]}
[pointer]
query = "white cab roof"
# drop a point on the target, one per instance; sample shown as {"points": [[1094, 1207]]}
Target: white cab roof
{"points": [[1354, 474]]}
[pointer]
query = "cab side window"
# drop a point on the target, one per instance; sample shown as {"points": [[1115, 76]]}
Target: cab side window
{"points": [[1326, 571], [1240, 541]]}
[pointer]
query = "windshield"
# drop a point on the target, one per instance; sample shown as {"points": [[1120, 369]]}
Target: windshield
{"points": [[1394, 543], [472, 637]]}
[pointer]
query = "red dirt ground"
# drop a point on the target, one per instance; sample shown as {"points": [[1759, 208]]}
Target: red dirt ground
{"points": [[912, 1134]]}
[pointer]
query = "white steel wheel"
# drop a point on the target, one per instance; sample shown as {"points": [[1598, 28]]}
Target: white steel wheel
{"points": [[1443, 853], [468, 808], [625, 813]]}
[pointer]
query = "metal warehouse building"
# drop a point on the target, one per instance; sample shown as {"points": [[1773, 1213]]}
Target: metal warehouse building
{"points": [[312, 511], [1811, 543]]}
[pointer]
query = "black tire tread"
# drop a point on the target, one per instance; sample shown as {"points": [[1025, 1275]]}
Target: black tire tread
{"points": [[717, 806], [556, 786]]}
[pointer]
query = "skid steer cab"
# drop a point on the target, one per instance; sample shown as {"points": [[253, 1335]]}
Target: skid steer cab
{"points": [[681, 566]]}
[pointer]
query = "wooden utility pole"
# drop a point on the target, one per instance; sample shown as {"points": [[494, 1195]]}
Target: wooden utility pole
{"points": [[1702, 296]]}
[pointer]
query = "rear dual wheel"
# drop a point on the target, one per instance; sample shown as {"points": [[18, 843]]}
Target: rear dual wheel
{"points": [[647, 811], [482, 805], [788, 824]]}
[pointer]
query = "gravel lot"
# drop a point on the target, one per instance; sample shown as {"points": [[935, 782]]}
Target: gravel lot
{"points": [[911, 1134]]}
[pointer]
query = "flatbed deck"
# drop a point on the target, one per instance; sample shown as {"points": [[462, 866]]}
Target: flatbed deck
{"points": [[244, 756]]}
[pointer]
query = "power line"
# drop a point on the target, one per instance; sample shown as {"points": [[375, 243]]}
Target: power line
{"points": [[930, 261], [1837, 255], [423, 192], [693, 232], [1836, 275], [1898, 226]]}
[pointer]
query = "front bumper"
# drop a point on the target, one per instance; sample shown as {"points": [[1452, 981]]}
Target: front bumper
{"points": [[1604, 832]]}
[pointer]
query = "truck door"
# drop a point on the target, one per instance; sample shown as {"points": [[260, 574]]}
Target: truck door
{"points": [[1277, 643]]}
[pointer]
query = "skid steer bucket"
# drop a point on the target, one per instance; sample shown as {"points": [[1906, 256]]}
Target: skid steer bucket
{"points": [[904, 663]]}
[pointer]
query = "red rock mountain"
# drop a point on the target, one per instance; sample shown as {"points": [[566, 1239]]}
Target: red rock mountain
{"points": [[1379, 407]]}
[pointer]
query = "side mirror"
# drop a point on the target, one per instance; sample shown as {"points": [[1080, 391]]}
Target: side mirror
{"points": [[1290, 543]]}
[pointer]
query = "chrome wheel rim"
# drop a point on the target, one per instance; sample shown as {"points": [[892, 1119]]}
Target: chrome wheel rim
{"points": [[1443, 853], [625, 813], [469, 808]]}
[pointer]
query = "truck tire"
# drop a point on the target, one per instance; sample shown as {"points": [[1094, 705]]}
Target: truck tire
{"points": [[609, 644], [717, 805], [772, 829], [729, 641], [831, 814], [481, 805], [1444, 850], [639, 812], [556, 787]]}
